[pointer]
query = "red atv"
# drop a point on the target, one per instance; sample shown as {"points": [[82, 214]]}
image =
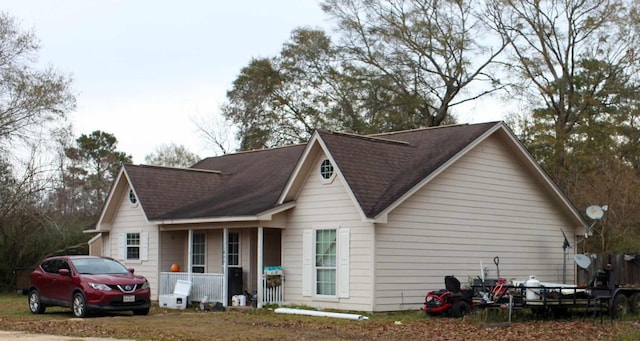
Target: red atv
{"points": [[451, 301]]}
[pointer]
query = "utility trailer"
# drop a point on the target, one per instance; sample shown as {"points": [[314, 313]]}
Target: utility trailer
{"points": [[602, 295]]}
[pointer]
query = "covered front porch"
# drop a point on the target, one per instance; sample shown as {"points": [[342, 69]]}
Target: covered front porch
{"points": [[223, 262]]}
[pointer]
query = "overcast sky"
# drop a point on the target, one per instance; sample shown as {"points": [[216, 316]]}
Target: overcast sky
{"points": [[144, 69]]}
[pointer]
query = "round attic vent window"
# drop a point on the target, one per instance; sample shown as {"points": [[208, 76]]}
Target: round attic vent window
{"points": [[132, 197], [326, 169]]}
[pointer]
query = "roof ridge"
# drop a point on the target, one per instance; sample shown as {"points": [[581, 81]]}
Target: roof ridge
{"points": [[365, 137], [174, 168], [254, 151], [432, 128]]}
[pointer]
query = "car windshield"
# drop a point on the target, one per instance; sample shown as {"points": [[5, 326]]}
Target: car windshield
{"points": [[93, 266]]}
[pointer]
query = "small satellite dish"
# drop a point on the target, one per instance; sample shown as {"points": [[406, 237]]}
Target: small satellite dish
{"points": [[595, 212], [583, 261]]}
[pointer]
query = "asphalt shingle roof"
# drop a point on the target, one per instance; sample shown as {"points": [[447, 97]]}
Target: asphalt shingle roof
{"points": [[379, 169], [239, 184]]}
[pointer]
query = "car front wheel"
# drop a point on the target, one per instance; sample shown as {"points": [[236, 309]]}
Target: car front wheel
{"points": [[35, 304], [79, 305]]}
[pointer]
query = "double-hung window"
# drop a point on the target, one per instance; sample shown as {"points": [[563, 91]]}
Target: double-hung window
{"points": [[326, 262], [133, 246], [198, 249]]}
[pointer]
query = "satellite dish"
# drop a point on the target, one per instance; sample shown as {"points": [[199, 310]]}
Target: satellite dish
{"points": [[583, 261], [595, 212]]}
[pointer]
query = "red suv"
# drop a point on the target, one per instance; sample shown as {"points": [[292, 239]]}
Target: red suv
{"points": [[87, 283]]}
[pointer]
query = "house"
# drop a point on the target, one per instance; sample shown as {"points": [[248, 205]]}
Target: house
{"points": [[363, 223]]}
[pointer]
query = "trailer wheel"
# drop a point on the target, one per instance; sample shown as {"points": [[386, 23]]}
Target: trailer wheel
{"points": [[634, 303], [460, 309], [620, 306]]}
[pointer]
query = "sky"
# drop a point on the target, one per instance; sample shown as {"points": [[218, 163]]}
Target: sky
{"points": [[144, 70]]}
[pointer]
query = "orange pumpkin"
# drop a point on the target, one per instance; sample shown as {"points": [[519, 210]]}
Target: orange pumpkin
{"points": [[175, 268]]}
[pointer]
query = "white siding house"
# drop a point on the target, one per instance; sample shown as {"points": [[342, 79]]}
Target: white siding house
{"points": [[361, 223]]}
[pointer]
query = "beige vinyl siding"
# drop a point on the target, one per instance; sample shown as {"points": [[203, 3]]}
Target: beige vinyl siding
{"points": [[174, 250], [321, 205], [130, 219], [214, 251], [486, 204]]}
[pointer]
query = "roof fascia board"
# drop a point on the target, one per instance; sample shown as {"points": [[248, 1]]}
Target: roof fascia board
{"points": [[382, 217], [541, 172], [204, 220], [268, 215], [298, 169], [523, 152], [92, 240], [107, 204], [316, 138], [363, 216]]}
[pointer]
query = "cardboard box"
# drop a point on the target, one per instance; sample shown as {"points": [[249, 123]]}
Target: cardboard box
{"points": [[177, 300]]}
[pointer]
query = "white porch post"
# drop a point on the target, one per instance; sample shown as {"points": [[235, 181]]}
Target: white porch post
{"points": [[260, 267], [225, 266], [190, 257]]}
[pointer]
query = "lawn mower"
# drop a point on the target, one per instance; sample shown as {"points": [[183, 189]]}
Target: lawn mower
{"points": [[451, 301]]}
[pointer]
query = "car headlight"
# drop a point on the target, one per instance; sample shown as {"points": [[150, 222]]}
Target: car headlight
{"points": [[99, 286], [146, 286]]}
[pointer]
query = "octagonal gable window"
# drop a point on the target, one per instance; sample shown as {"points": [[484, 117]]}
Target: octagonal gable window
{"points": [[326, 170], [132, 198]]}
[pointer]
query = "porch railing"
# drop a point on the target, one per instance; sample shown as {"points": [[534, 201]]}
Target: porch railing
{"points": [[273, 289], [207, 284], [211, 285]]}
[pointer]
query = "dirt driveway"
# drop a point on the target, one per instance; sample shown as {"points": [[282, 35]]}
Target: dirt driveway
{"points": [[22, 336]]}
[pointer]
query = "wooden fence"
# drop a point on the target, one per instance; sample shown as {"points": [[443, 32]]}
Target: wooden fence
{"points": [[625, 266]]}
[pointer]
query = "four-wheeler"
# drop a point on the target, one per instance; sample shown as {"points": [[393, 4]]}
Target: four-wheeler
{"points": [[451, 301]]}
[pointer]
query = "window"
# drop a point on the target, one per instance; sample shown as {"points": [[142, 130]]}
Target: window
{"points": [[54, 265], [233, 249], [326, 262], [198, 257], [133, 246], [132, 197], [326, 170]]}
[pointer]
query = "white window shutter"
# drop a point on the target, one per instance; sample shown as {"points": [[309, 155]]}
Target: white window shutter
{"points": [[343, 263], [307, 262], [121, 246], [144, 246]]}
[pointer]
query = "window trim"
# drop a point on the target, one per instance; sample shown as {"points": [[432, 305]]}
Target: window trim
{"points": [[334, 267], [120, 240], [321, 167], [127, 246], [343, 251], [133, 198], [237, 254], [204, 252]]}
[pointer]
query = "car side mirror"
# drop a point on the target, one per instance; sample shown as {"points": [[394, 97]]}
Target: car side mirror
{"points": [[131, 270], [64, 272]]}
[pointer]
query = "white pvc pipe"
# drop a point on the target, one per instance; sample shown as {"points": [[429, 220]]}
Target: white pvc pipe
{"points": [[320, 313]]}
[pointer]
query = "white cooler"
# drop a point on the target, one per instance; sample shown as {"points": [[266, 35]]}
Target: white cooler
{"points": [[177, 300]]}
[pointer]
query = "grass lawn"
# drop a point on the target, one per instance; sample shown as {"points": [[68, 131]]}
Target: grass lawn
{"points": [[264, 324]]}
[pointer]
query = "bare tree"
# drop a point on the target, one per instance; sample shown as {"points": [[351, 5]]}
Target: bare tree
{"points": [[28, 97], [172, 155], [430, 50]]}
